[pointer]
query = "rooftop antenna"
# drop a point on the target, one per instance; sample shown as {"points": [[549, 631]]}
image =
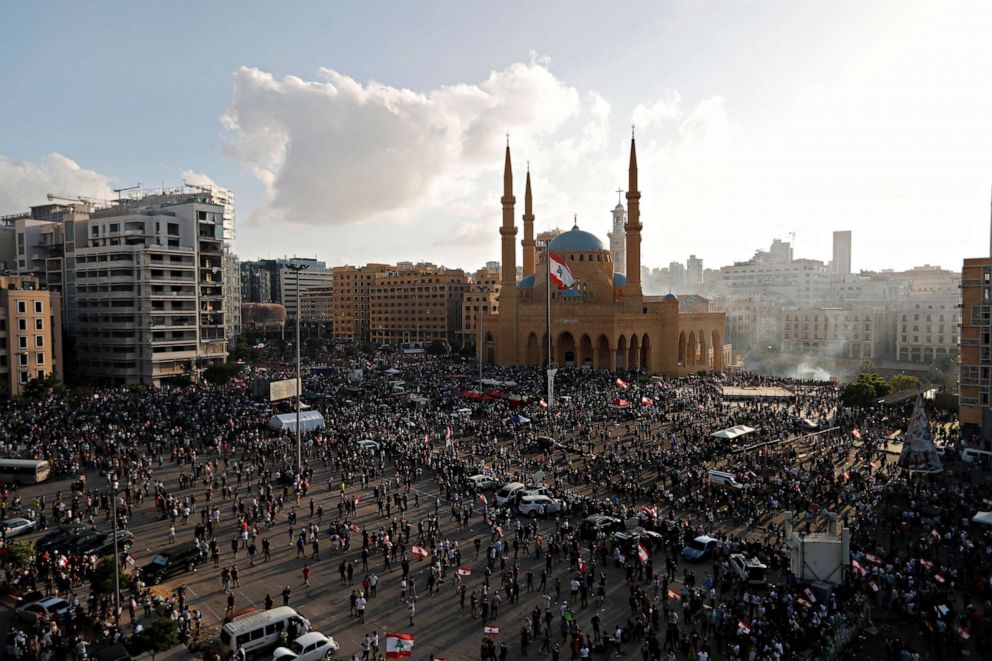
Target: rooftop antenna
{"points": [[121, 190]]}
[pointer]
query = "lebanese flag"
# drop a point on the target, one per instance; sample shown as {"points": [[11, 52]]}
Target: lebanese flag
{"points": [[646, 402], [938, 578], [463, 571], [926, 564], [490, 630], [482, 499], [418, 551], [543, 404], [963, 633], [743, 627], [447, 433], [642, 553], [561, 275], [856, 566], [804, 603], [873, 559], [582, 566], [935, 535], [621, 383], [674, 594], [399, 645]]}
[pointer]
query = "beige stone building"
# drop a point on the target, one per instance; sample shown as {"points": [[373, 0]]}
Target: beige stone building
{"points": [[857, 333], [975, 395], [419, 303], [30, 332], [927, 329], [603, 321], [482, 298], [752, 325], [350, 301], [316, 305]]}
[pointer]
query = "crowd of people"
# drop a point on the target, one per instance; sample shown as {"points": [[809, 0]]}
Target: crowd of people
{"points": [[632, 447]]}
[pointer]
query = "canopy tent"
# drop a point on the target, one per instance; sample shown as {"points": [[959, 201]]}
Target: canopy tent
{"points": [[730, 433], [309, 421], [392, 371], [984, 518], [519, 419], [619, 403]]}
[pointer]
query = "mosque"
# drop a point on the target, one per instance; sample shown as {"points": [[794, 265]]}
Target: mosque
{"points": [[604, 320]]}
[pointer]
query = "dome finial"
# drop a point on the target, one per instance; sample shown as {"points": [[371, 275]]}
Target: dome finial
{"points": [[575, 221]]}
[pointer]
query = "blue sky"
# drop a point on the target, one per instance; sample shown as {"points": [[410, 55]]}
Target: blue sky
{"points": [[370, 131]]}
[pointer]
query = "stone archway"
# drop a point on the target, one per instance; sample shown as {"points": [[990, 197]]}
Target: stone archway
{"points": [[633, 353], [602, 353], [682, 348], [621, 354], [533, 350], [645, 353], [565, 352], [690, 355], [717, 350], [704, 355], [585, 352]]}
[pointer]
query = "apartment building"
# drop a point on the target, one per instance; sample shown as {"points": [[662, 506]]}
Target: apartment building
{"points": [[316, 305], [304, 273], [799, 282], [857, 333], [975, 396], [417, 303], [751, 325], [482, 298], [150, 290], [350, 301], [927, 329], [30, 333]]}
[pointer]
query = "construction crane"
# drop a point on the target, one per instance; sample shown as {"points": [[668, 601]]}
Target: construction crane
{"points": [[91, 201], [121, 190]]}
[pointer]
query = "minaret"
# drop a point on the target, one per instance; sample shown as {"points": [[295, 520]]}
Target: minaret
{"points": [[528, 242], [508, 231], [633, 226]]}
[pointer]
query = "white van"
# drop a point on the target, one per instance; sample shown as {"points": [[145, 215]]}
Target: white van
{"points": [[260, 631], [977, 458], [725, 479], [505, 495]]}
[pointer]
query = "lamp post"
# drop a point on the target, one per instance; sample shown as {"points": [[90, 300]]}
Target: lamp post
{"points": [[112, 479], [483, 290], [299, 380]]}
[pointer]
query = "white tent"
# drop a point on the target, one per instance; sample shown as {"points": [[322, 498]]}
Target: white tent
{"points": [[392, 371], [309, 420], [984, 518], [731, 433]]}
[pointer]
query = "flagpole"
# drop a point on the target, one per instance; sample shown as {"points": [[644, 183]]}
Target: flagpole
{"points": [[547, 263]]}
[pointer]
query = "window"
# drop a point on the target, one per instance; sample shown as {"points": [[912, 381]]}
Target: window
{"points": [[39, 357], [39, 307], [22, 359], [22, 377], [41, 374], [22, 306], [39, 324], [22, 342], [39, 341], [22, 324]]}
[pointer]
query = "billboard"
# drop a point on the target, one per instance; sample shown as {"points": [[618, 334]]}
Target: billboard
{"points": [[283, 389]]}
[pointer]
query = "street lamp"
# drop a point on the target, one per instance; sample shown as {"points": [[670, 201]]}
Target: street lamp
{"points": [[299, 380], [483, 290], [112, 479]]}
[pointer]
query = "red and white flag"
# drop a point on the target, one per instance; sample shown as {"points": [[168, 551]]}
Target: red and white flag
{"points": [[645, 401], [418, 551], [561, 275], [926, 564], [642, 553], [856, 566], [482, 499], [399, 645], [963, 633], [804, 603], [490, 630], [939, 578], [621, 383], [674, 594], [543, 404], [447, 433], [873, 559], [582, 566], [463, 571], [935, 535], [743, 627]]}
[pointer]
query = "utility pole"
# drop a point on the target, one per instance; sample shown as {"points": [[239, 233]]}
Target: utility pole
{"points": [[117, 560], [483, 290], [299, 380]]}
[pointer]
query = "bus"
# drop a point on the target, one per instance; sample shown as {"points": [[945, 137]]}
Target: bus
{"points": [[24, 471]]}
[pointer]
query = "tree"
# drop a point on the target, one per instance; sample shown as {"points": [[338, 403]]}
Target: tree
{"points": [[904, 382], [865, 391], [159, 636], [221, 373], [19, 554], [438, 348], [102, 578], [42, 388]]}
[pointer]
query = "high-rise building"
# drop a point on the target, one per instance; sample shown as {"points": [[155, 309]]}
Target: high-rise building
{"points": [[676, 276], [694, 270], [350, 302], [315, 274], [975, 396], [417, 303], [30, 333], [841, 263], [232, 294], [316, 305], [802, 282], [150, 290]]}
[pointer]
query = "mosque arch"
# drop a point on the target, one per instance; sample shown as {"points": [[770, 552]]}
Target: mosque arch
{"points": [[704, 354], [565, 351], [633, 353], [645, 361], [717, 350], [585, 358], [533, 350], [621, 353], [602, 353], [682, 348], [690, 356]]}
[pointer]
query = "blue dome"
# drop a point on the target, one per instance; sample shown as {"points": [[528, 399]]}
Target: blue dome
{"points": [[575, 240], [569, 293], [670, 297], [619, 280], [526, 283]]}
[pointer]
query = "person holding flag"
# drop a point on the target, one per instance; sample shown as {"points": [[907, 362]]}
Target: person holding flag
{"points": [[399, 645]]}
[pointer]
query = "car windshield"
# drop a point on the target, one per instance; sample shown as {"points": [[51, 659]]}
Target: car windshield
{"points": [[296, 647], [697, 544], [160, 560]]}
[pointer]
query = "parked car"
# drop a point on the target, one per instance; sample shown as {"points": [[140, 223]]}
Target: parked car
{"points": [[751, 571], [700, 548], [482, 482], [538, 445], [172, 561], [532, 491], [17, 526], [367, 445], [507, 492], [112, 652], [628, 540], [591, 526], [103, 543], [308, 647], [15, 595], [42, 610], [538, 505]]}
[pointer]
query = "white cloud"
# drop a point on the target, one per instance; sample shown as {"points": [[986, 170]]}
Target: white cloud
{"points": [[198, 179], [26, 183]]}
